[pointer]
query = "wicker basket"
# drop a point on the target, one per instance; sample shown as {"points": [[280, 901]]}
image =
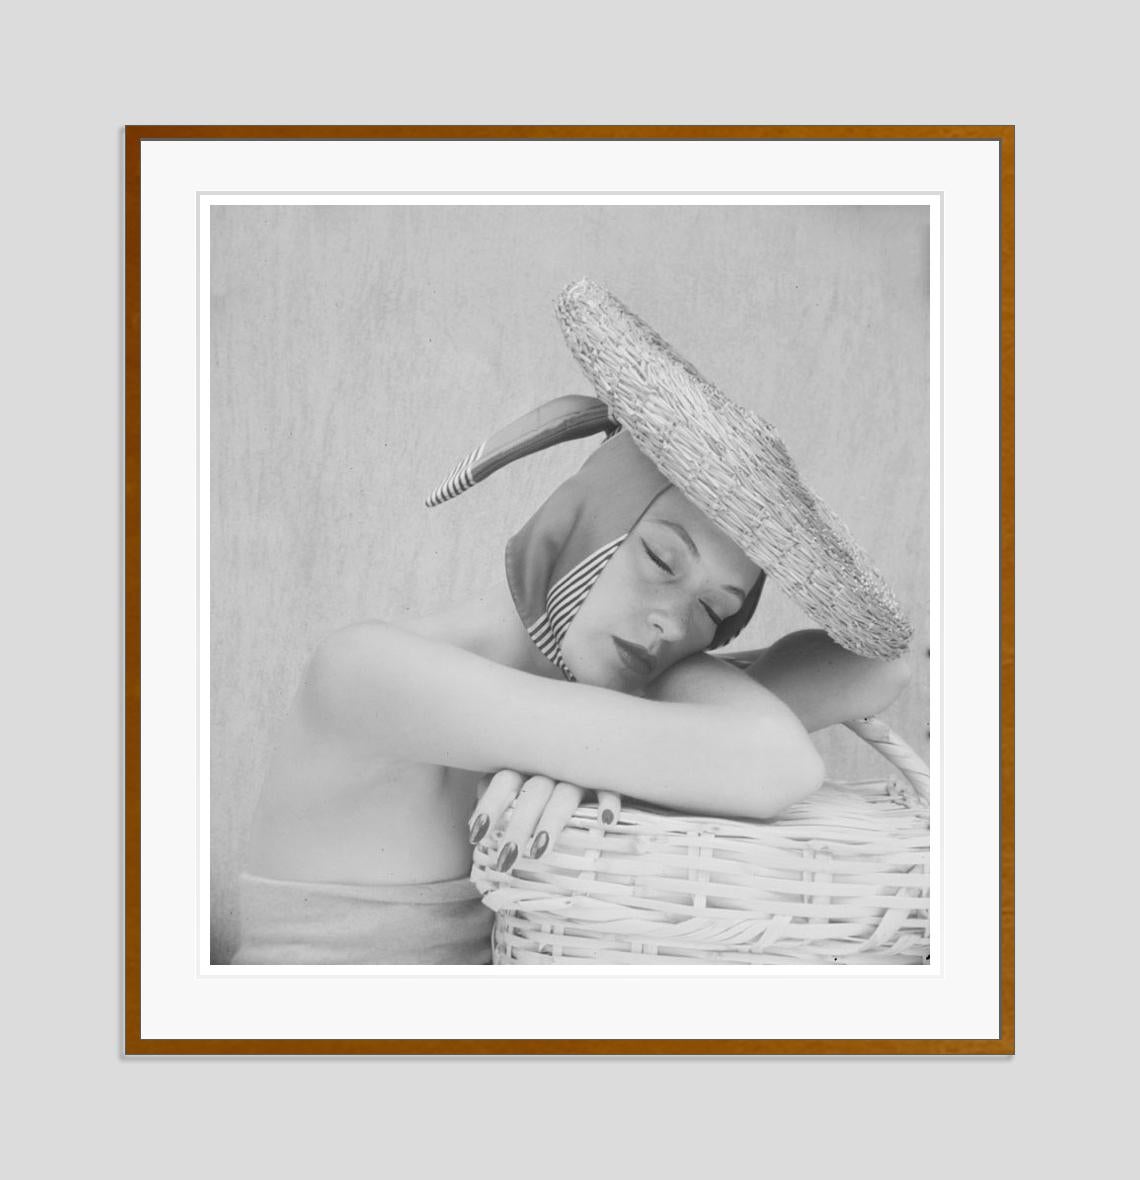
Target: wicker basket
{"points": [[841, 877]]}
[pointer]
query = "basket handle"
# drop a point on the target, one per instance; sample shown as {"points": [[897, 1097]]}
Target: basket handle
{"points": [[876, 732]]}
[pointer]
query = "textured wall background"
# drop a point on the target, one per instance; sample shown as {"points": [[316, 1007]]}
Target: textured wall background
{"points": [[358, 352]]}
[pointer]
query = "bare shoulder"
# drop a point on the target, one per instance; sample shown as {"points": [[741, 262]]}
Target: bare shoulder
{"points": [[359, 674], [339, 650], [373, 651]]}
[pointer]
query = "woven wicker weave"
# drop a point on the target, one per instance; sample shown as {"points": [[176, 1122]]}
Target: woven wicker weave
{"points": [[841, 877]]}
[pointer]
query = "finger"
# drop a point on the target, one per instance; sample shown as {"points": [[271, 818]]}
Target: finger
{"points": [[533, 797], [564, 801], [609, 808], [500, 791], [477, 824]]}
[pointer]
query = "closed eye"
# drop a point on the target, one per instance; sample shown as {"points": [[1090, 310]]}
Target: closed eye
{"points": [[655, 559], [717, 620]]}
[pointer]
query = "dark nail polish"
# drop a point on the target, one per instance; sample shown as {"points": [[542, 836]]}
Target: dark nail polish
{"points": [[507, 857], [538, 845], [607, 816], [478, 827]]}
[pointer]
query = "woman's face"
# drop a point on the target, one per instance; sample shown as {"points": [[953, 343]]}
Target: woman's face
{"points": [[660, 598]]}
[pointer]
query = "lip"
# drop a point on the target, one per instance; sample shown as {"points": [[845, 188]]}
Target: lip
{"points": [[636, 658]]}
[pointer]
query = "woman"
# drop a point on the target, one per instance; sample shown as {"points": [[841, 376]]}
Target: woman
{"points": [[587, 664]]}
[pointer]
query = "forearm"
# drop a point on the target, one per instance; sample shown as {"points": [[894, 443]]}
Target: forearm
{"points": [[785, 764], [733, 750], [777, 767]]}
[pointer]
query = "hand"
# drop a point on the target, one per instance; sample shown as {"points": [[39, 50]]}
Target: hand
{"points": [[542, 809]]}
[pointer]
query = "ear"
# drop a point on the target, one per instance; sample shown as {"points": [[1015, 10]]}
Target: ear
{"points": [[560, 420]]}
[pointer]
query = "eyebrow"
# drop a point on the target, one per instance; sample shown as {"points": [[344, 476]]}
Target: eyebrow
{"points": [[683, 533]]}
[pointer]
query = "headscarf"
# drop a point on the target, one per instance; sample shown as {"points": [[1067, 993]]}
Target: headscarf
{"points": [[555, 559]]}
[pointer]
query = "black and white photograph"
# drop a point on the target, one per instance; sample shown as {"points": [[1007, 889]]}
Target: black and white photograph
{"points": [[570, 583], [513, 578]]}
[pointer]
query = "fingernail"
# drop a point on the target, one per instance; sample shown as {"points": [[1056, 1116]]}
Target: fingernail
{"points": [[478, 827], [507, 857], [607, 816], [538, 845]]}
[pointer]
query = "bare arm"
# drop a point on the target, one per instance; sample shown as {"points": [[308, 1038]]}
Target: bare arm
{"points": [[821, 682], [724, 746]]}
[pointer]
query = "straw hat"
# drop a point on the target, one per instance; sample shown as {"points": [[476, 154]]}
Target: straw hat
{"points": [[725, 458]]}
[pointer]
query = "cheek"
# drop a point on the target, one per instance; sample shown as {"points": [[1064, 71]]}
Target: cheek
{"points": [[587, 652], [611, 599], [609, 609], [593, 623]]}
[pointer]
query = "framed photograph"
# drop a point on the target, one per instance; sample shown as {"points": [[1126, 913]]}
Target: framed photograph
{"points": [[569, 590]]}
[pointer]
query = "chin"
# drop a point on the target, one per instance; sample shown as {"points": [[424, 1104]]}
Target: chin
{"points": [[601, 674], [620, 679], [597, 678]]}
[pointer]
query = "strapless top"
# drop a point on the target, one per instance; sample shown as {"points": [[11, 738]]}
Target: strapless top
{"points": [[294, 922]]}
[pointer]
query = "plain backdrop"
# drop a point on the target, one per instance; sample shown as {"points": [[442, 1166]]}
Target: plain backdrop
{"points": [[73, 76], [358, 353]]}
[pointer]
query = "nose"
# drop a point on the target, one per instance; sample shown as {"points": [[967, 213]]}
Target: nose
{"points": [[666, 623]]}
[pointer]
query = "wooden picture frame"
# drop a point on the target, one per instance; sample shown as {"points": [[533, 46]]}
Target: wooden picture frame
{"points": [[178, 1003]]}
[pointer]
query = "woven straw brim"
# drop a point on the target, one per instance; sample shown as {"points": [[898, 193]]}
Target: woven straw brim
{"points": [[733, 466]]}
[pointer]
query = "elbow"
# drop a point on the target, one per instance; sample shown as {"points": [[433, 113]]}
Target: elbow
{"points": [[798, 772], [805, 778], [813, 772], [887, 681]]}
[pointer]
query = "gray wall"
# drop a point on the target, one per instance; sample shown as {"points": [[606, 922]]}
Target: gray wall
{"points": [[358, 352], [1059, 1104]]}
